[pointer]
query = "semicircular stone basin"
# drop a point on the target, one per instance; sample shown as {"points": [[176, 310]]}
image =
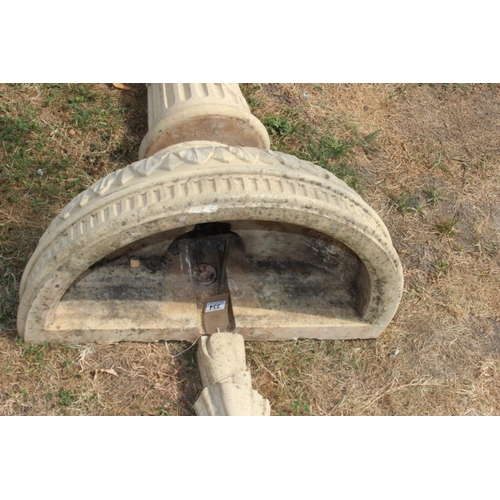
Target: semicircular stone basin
{"points": [[136, 255]]}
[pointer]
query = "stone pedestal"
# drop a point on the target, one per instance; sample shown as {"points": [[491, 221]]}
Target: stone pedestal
{"points": [[180, 112], [226, 380]]}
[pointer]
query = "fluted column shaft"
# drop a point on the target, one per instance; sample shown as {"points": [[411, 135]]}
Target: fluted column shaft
{"points": [[181, 112]]}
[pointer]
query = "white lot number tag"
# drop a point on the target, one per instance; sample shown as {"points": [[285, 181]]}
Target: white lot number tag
{"points": [[216, 313], [220, 305]]}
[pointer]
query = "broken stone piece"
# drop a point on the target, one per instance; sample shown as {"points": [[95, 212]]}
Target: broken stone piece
{"points": [[226, 380]]}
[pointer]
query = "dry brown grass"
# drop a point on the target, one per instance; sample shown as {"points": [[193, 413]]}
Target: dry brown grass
{"points": [[439, 356]]}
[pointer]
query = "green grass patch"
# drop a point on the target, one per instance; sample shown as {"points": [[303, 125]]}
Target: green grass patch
{"points": [[442, 267], [65, 397], [276, 126], [32, 353], [434, 196], [249, 91], [447, 227], [320, 146], [405, 203]]}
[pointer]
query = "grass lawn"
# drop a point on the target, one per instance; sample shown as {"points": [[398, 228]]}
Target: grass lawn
{"points": [[425, 157]]}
